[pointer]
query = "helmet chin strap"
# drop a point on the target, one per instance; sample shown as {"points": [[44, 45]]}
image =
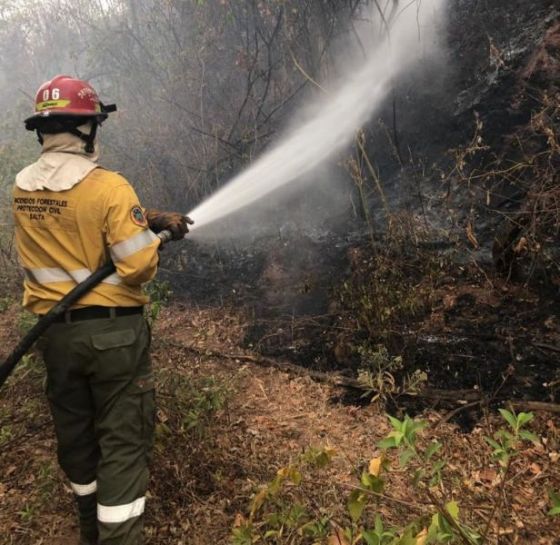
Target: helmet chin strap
{"points": [[88, 139]]}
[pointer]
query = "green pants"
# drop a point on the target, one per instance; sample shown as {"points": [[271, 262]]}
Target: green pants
{"points": [[101, 393]]}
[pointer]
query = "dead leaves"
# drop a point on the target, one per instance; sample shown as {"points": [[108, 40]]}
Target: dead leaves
{"points": [[471, 236], [521, 245], [487, 477], [422, 537], [375, 466], [337, 538], [239, 521], [449, 301]]}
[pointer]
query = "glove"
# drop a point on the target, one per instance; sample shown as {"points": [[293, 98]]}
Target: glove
{"points": [[177, 223]]}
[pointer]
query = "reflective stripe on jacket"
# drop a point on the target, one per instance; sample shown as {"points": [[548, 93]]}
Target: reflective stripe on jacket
{"points": [[63, 236]]}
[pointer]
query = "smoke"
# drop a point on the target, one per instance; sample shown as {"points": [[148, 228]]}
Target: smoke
{"points": [[323, 129]]}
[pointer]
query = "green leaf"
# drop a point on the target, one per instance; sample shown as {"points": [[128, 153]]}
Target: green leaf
{"points": [[365, 479], [529, 436], [407, 538], [440, 530], [387, 443], [315, 528], [396, 423], [509, 418], [473, 536], [371, 538], [406, 456], [295, 476], [242, 535], [417, 425], [453, 509], [434, 447], [433, 529], [356, 505], [524, 418], [379, 524], [319, 458], [493, 444], [371, 482], [555, 499], [504, 436], [397, 436], [436, 473], [435, 480], [418, 475]]}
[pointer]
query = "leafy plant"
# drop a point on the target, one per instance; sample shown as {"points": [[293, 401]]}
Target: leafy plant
{"points": [[159, 293], [555, 500], [46, 480], [5, 303], [186, 405], [378, 371], [382, 293], [279, 515], [27, 514], [6, 434], [282, 517], [31, 366], [505, 442], [26, 321]]}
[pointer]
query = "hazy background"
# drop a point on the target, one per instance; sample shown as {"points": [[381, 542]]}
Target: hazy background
{"points": [[203, 87]]}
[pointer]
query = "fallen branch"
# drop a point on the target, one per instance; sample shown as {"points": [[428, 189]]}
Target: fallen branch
{"points": [[550, 347], [535, 406], [452, 414], [471, 397]]}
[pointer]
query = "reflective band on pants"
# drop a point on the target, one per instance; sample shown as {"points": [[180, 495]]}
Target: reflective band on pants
{"points": [[120, 513], [52, 275], [134, 244], [84, 489]]}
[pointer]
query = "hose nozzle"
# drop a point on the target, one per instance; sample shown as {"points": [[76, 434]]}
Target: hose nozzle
{"points": [[165, 236]]}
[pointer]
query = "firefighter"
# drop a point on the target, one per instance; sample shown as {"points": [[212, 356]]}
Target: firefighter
{"points": [[71, 216]]}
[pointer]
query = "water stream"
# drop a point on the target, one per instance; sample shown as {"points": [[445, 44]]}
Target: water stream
{"points": [[335, 122]]}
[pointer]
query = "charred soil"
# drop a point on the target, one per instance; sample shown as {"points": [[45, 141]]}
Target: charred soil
{"points": [[226, 424]]}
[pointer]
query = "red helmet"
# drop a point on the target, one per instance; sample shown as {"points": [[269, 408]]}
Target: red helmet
{"points": [[67, 97]]}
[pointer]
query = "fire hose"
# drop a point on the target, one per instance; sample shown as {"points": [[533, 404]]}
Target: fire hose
{"points": [[70, 299]]}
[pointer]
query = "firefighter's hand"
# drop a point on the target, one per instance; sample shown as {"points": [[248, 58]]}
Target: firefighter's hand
{"points": [[176, 223]]}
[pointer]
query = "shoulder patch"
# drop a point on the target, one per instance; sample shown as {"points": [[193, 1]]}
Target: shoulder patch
{"points": [[137, 216]]}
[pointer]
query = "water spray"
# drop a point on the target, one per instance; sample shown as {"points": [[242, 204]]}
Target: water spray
{"points": [[337, 118], [332, 128]]}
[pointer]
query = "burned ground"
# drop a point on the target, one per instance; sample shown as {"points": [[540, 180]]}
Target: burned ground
{"points": [[453, 281], [226, 424]]}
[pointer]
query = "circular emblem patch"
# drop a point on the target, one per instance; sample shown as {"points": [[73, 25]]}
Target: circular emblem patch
{"points": [[138, 217]]}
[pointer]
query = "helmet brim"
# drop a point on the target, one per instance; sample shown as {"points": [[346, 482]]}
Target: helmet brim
{"points": [[35, 121]]}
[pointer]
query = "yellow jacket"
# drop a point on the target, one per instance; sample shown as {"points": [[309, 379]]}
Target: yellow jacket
{"points": [[63, 236]]}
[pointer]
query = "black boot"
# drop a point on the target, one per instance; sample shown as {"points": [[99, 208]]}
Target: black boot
{"points": [[87, 509]]}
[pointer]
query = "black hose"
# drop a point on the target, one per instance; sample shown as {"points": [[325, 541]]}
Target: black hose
{"points": [[47, 320]]}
